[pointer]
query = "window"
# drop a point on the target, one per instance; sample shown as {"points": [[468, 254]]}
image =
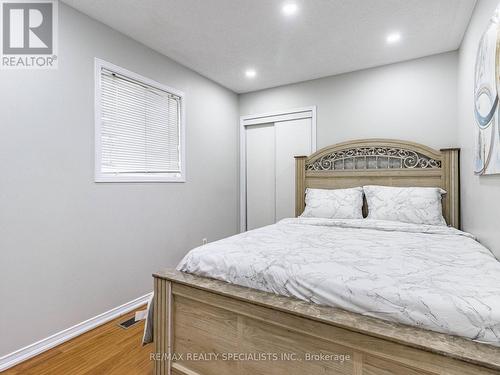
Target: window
{"points": [[139, 128]]}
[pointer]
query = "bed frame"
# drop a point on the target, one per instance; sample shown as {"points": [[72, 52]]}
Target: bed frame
{"points": [[208, 327]]}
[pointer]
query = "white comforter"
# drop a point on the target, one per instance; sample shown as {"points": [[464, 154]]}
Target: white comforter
{"points": [[433, 277]]}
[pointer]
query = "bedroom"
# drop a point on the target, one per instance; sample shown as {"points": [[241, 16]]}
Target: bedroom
{"points": [[82, 230]]}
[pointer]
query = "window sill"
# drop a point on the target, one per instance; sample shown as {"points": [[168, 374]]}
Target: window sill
{"points": [[139, 178]]}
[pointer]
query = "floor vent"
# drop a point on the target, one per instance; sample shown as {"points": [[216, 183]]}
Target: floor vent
{"points": [[128, 323]]}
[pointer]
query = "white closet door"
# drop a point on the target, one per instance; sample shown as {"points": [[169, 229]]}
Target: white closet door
{"points": [[260, 175], [293, 138]]}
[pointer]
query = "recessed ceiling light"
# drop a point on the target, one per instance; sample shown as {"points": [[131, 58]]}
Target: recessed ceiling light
{"points": [[289, 9], [393, 38], [250, 73]]}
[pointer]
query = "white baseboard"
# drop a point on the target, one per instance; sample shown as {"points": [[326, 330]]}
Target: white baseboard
{"points": [[41, 346]]}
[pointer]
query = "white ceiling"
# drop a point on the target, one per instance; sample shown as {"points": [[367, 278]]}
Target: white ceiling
{"points": [[222, 38]]}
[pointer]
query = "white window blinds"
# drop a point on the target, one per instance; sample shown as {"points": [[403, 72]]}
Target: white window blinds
{"points": [[140, 128]]}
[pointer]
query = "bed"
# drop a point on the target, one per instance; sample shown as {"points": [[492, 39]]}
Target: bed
{"points": [[301, 296]]}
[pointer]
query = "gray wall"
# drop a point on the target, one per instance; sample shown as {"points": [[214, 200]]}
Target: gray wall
{"points": [[480, 195], [71, 248], [414, 100]]}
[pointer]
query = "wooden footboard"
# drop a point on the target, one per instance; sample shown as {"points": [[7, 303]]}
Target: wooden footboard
{"points": [[206, 327]]}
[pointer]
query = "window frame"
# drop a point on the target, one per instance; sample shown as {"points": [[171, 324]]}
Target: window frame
{"points": [[99, 176]]}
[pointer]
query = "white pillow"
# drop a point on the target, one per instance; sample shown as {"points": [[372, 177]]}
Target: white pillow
{"points": [[334, 204], [415, 205]]}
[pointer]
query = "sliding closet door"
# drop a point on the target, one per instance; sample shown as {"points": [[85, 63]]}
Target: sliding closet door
{"points": [[269, 143], [293, 138], [260, 175]]}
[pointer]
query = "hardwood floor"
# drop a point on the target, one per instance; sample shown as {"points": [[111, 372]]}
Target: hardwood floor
{"points": [[107, 350]]}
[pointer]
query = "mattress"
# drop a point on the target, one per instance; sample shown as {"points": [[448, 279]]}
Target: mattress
{"points": [[433, 277]]}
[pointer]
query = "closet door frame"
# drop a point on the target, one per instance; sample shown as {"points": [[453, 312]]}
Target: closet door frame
{"points": [[266, 118]]}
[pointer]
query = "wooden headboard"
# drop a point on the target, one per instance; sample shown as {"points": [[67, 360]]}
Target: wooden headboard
{"points": [[381, 162]]}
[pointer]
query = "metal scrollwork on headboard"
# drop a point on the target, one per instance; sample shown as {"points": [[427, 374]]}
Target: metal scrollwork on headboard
{"points": [[372, 158]]}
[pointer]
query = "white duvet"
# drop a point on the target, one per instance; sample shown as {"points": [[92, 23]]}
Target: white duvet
{"points": [[433, 277]]}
